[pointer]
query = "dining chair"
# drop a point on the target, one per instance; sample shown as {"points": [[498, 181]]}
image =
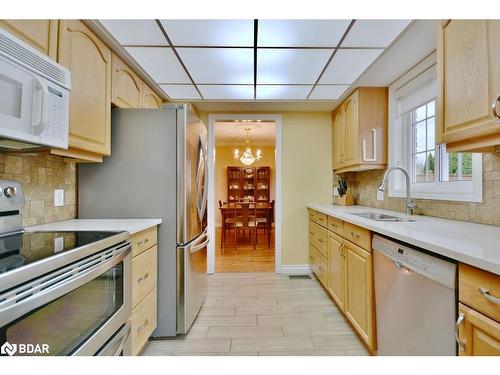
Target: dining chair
{"points": [[228, 219], [245, 220]]}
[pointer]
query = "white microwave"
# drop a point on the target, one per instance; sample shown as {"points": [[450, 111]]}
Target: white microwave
{"points": [[34, 92]]}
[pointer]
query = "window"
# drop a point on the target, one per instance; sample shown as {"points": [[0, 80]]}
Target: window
{"points": [[436, 174]]}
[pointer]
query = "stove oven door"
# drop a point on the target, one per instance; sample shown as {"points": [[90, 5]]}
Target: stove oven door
{"points": [[75, 310]]}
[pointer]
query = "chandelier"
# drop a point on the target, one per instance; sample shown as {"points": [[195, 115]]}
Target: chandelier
{"points": [[247, 158]]}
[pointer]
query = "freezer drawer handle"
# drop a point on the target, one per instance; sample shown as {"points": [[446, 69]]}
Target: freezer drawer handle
{"points": [[457, 328], [146, 275], [486, 294]]}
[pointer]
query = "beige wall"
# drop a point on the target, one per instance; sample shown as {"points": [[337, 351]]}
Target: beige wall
{"points": [[224, 158], [39, 175], [306, 176], [364, 185]]}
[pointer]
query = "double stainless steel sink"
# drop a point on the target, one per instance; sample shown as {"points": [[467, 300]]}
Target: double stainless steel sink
{"points": [[381, 217]]}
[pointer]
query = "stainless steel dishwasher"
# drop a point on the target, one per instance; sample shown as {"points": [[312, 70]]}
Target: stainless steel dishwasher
{"points": [[415, 295]]}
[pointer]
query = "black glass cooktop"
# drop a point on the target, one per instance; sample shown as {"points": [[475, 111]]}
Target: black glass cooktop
{"points": [[18, 250]]}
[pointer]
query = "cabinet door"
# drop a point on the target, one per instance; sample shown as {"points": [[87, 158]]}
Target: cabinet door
{"points": [[126, 85], [40, 34], [89, 61], [336, 269], [468, 78], [149, 98], [478, 334], [338, 138], [359, 306], [351, 129]]}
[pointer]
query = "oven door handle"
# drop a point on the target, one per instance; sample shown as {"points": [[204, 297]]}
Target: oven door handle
{"points": [[27, 297]]}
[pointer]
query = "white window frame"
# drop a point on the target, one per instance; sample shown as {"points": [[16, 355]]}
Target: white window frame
{"points": [[400, 144]]}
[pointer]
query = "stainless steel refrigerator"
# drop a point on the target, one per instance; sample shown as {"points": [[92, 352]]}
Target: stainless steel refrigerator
{"points": [[158, 169]]}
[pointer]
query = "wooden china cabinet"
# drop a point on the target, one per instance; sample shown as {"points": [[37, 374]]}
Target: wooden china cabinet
{"points": [[249, 183]]}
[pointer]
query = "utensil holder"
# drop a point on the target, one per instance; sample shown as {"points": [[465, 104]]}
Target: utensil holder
{"points": [[346, 199]]}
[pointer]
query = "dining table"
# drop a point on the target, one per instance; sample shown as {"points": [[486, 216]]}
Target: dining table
{"points": [[264, 208]]}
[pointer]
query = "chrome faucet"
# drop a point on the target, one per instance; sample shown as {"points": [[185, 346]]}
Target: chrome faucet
{"points": [[409, 203]]}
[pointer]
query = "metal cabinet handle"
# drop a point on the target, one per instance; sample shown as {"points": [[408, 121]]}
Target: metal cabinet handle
{"points": [[146, 275], [311, 233], [459, 322], [144, 325], [496, 113], [334, 225], [320, 240], [486, 294], [355, 235]]}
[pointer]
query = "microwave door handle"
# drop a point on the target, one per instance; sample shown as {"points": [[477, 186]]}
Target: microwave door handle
{"points": [[40, 109]]}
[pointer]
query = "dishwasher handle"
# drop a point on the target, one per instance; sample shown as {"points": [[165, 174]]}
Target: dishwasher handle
{"points": [[459, 322]]}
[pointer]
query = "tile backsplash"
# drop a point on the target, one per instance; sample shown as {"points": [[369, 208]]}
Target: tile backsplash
{"points": [[39, 175], [364, 187]]}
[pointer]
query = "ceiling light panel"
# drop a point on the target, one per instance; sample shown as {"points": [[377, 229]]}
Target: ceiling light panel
{"points": [[374, 33], [282, 92], [181, 92], [235, 33], [160, 63], [227, 92], [136, 32], [328, 92], [301, 33], [290, 66], [219, 65], [348, 64]]}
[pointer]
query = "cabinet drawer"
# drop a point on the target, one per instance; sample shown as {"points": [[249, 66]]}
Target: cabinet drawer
{"points": [[144, 268], [336, 225], [480, 290], [312, 214], [318, 236], [143, 240], [319, 265], [321, 219], [143, 321], [359, 236]]}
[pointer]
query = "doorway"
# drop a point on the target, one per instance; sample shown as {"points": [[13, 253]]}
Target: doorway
{"points": [[244, 193]]}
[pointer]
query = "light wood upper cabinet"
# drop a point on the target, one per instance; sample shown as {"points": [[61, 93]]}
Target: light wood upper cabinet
{"points": [[360, 131], [359, 306], [338, 138], [478, 334], [468, 57], [336, 269], [126, 85], [149, 98], [40, 34], [89, 61]]}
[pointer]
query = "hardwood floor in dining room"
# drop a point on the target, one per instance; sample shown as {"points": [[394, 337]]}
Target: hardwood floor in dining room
{"points": [[244, 258]]}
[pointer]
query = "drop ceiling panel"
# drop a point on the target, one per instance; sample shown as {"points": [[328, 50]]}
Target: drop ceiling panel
{"points": [[328, 92], [219, 65], [236, 33], [227, 92], [181, 91], [290, 66], [136, 32], [160, 63], [347, 65], [374, 33], [301, 33], [282, 91]]}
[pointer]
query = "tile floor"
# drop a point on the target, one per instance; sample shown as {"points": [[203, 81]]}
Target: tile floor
{"points": [[264, 314]]}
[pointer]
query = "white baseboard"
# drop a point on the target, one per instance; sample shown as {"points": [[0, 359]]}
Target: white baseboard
{"points": [[295, 269]]}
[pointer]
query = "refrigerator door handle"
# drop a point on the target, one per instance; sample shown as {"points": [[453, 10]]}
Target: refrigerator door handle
{"points": [[199, 247]]}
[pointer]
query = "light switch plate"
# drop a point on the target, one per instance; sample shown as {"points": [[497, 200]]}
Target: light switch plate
{"points": [[58, 197], [380, 195], [335, 191]]}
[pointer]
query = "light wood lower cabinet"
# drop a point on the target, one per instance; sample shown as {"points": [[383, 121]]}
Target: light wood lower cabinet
{"points": [[40, 34], [89, 61], [359, 306], [144, 286], [478, 334], [349, 276], [336, 269]]}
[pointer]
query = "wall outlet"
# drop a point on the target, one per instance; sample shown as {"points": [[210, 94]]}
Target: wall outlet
{"points": [[58, 197], [380, 195]]}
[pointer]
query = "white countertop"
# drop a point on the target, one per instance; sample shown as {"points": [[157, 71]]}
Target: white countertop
{"points": [[107, 225], [474, 244]]}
